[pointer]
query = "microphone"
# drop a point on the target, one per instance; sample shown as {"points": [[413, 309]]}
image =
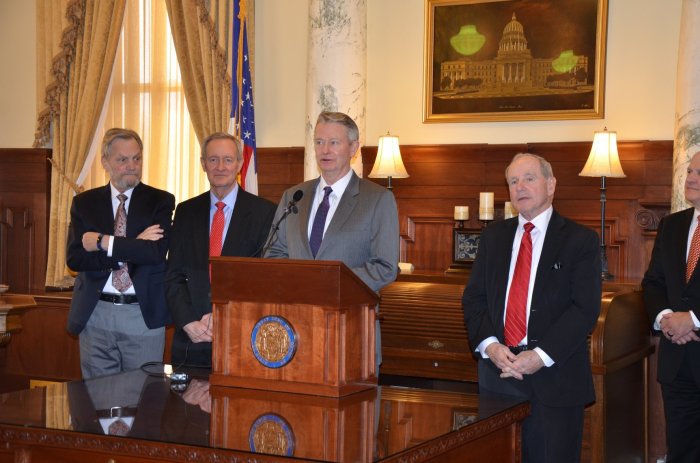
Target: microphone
{"points": [[292, 206], [290, 209]]}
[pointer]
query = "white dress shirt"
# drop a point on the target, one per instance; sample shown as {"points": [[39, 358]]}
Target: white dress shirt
{"points": [[338, 188], [541, 222]]}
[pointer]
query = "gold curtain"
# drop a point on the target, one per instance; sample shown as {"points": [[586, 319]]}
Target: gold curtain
{"points": [[202, 35], [147, 97], [78, 101], [57, 28]]}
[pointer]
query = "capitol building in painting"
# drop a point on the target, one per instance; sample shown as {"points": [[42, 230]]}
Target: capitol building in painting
{"points": [[512, 72]]}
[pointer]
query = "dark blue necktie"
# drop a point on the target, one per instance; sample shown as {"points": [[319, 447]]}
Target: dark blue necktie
{"points": [[320, 222]]}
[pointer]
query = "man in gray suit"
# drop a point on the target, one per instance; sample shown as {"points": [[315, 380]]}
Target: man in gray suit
{"points": [[340, 216]]}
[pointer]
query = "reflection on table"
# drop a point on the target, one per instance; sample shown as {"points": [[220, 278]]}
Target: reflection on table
{"points": [[382, 424]]}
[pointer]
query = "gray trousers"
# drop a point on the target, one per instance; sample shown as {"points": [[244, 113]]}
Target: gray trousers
{"points": [[116, 339]]}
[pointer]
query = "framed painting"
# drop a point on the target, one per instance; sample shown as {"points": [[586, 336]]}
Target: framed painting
{"points": [[514, 60]]}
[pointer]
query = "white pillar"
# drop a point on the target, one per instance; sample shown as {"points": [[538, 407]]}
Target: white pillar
{"points": [[337, 69], [687, 127]]}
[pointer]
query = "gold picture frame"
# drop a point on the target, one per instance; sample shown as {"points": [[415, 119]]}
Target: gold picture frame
{"points": [[514, 60]]}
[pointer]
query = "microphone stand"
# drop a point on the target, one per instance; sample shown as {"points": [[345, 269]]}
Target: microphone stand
{"points": [[291, 208]]}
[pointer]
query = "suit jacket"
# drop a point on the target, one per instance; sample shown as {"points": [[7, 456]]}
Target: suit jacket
{"points": [[187, 283], [92, 211], [665, 288], [363, 233], [563, 311]]}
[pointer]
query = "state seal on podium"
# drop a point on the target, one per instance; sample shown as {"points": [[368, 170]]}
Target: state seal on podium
{"points": [[274, 341]]}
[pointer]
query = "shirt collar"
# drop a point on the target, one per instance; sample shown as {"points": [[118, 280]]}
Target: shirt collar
{"points": [[116, 192], [338, 187], [229, 199], [540, 222]]}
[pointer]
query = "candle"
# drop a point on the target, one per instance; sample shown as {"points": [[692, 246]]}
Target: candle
{"points": [[486, 206], [461, 212], [509, 211]]}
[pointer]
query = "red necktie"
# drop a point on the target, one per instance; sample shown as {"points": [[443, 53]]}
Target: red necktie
{"points": [[694, 253], [516, 309], [217, 230]]}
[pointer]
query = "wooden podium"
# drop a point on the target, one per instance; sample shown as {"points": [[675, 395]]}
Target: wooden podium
{"points": [[297, 326]]}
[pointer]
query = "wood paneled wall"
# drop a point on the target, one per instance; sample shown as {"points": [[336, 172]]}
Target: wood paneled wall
{"points": [[444, 176], [25, 176]]}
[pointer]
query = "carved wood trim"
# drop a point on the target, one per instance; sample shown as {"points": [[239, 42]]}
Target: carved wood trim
{"points": [[649, 216], [19, 437]]}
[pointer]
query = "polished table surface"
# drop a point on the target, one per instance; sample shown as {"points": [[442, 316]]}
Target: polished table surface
{"points": [[383, 424]]}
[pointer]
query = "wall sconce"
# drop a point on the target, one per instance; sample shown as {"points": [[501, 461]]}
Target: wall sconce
{"points": [[604, 161], [388, 163]]}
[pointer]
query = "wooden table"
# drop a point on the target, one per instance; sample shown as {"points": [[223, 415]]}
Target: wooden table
{"points": [[62, 423]]}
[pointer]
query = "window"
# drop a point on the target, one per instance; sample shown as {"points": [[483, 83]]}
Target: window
{"points": [[147, 96]]}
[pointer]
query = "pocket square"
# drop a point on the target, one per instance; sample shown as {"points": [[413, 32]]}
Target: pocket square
{"points": [[557, 266]]}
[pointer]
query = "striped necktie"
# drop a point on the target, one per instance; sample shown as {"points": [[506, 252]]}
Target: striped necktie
{"points": [[516, 309]]}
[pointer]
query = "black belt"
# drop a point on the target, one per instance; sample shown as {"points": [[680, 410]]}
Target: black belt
{"points": [[116, 412], [119, 298], [518, 349]]}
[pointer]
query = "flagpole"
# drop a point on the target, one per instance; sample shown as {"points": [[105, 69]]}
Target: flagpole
{"points": [[242, 5], [242, 123]]}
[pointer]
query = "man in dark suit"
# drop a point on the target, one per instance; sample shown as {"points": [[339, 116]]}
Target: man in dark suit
{"points": [[360, 225], [531, 301], [245, 223], [117, 241], [672, 298]]}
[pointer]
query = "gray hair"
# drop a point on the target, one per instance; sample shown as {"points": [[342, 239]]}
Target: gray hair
{"points": [[117, 133], [223, 136], [329, 117], [545, 166]]}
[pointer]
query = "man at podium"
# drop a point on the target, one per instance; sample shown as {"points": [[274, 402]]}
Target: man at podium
{"points": [[224, 221], [339, 215]]}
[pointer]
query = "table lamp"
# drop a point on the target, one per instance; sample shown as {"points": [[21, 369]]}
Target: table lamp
{"points": [[388, 163]]}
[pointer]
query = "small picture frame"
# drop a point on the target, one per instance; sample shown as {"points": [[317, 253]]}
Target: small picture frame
{"points": [[466, 243], [462, 418]]}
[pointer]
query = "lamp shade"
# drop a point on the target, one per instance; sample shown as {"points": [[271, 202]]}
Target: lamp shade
{"points": [[604, 161], [388, 163]]}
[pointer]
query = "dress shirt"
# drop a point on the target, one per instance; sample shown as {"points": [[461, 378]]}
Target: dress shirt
{"points": [[108, 287], [337, 193], [541, 222], [230, 201]]}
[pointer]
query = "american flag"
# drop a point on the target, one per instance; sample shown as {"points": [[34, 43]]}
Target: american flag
{"points": [[242, 116]]}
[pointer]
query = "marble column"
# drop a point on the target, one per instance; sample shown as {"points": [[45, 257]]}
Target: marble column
{"points": [[687, 124], [337, 69]]}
